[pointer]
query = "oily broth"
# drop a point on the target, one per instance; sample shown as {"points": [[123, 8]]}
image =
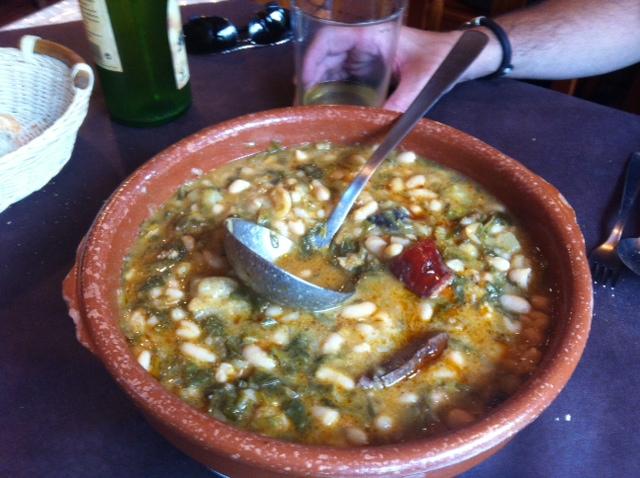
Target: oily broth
{"points": [[318, 269], [293, 374]]}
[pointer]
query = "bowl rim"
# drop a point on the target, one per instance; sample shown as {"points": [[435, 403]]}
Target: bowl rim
{"points": [[384, 460]]}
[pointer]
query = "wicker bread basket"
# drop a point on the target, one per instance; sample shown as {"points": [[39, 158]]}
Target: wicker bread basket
{"points": [[44, 97]]}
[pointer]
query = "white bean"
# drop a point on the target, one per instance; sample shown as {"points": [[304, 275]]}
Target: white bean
{"points": [[397, 185], [416, 181], [399, 240], [365, 211], [273, 311], [211, 196], [327, 416], [496, 227], [216, 288], [406, 157], [362, 348], [426, 310], [375, 245], [499, 263], [456, 357], [174, 294], [409, 397], [520, 277], [280, 336], [281, 227], [384, 423], [301, 156], [320, 191], [197, 352], [329, 375], [258, 357], [224, 372], [297, 227], [137, 320], [436, 205], [422, 193], [217, 209], [469, 249], [358, 310], [290, 317], [455, 265], [238, 186], [393, 250], [144, 359], [471, 232], [178, 314], [511, 325], [515, 303], [188, 330], [367, 331], [332, 344], [296, 196]]}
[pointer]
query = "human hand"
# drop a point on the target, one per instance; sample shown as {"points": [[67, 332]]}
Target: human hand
{"points": [[419, 55], [348, 54]]}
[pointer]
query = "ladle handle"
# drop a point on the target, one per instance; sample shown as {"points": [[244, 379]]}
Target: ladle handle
{"points": [[463, 53]]}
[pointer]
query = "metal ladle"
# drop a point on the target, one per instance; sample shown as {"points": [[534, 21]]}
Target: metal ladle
{"points": [[253, 250]]}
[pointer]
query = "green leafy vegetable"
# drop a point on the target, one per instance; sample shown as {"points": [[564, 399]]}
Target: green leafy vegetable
{"points": [[345, 247], [213, 325], [312, 171], [297, 413]]}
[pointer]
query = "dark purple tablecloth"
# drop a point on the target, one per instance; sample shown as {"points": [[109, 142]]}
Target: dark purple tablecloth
{"points": [[62, 414]]}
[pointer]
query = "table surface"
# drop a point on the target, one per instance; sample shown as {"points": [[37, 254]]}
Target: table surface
{"points": [[63, 415]]}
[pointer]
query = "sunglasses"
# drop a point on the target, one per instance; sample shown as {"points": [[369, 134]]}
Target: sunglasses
{"points": [[270, 26]]}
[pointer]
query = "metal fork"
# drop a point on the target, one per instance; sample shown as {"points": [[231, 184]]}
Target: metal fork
{"points": [[605, 263]]}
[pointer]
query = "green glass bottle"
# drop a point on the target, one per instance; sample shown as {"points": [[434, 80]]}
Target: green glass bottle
{"points": [[141, 59]]}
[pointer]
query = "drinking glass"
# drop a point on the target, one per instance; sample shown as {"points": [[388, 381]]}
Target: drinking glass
{"points": [[344, 50]]}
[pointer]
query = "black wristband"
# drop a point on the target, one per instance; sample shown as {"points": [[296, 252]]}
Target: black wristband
{"points": [[505, 66]]}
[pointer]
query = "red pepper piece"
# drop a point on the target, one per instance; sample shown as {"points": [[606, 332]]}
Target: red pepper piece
{"points": [[421, 269]]}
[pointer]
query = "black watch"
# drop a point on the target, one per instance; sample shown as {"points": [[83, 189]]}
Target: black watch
{"points": [[505, 66]]}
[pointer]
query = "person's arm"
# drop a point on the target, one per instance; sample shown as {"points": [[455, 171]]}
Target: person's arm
{"points": [[556, 39]]}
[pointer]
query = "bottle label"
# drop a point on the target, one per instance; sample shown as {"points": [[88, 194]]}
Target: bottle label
{"points": [[176, 44], [100, 34]]}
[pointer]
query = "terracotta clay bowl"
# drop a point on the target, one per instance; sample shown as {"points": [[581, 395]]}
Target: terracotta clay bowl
{"points": [[91, 292]]}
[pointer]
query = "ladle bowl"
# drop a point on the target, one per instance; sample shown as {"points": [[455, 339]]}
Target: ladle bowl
{"points": [[252, 251]]}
